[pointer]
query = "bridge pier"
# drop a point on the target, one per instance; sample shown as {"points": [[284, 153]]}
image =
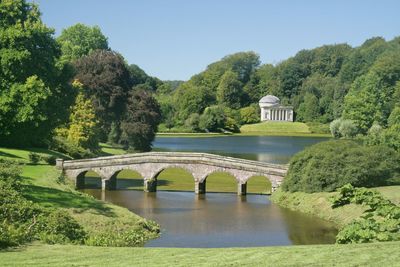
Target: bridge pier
{"points": [[110, 184], [150, 185], [242, 189], [200, 187]]}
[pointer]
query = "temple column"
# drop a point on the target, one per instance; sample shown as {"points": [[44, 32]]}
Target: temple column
{"points": [[200, 187], [279, 114]]}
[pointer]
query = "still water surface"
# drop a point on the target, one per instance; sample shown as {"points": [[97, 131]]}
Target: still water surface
{"points": [[272, 149], [225, 220]]}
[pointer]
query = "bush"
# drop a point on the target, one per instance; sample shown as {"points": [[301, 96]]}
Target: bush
{"points": [[193, 122], [250, 114], [212, 119], [334, 128], [34, 158], [62, 145], [49, 159], [381, 221], [329, 165], [348, 129]]}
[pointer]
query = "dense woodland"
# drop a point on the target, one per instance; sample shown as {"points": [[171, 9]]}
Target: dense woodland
{"points": [[74, 91]]}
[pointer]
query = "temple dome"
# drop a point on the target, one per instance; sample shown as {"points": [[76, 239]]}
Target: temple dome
{"points": [[269, 99]]}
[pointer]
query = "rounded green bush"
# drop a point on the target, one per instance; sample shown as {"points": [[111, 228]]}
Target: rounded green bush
{"points": [[329, 165]]}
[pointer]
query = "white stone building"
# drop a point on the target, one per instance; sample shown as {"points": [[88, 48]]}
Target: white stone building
{"points": [[272, 110]]}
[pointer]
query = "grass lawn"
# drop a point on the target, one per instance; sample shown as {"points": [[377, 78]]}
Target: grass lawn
{"points": [[375, 254], [279, 128], [44, 186], [318, 204]]}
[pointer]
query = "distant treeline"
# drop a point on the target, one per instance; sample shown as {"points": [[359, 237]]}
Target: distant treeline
{"points": [[322, 84], [71, 92]]}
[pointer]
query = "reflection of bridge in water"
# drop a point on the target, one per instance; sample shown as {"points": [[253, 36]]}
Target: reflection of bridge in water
{"points": [[150, 164]]}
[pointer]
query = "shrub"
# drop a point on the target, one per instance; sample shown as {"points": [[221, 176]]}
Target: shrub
{"points": [[334, 128], [329, 165], [9, 174], [250, 114], [212, 119], [381, 221], [49, 159], [62, 145], [34, 158], [348, 128], [193, 122]]}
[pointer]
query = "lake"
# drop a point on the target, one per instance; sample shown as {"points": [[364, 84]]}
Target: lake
{"points": [[225, 219], [272, 149]]}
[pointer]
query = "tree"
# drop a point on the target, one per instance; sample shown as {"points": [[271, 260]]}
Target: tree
{"points": [[106, 81], [34, 90], [362, 103], [213, 119], [80, 40], [309, 109], [250, 114], [140, 122], [229, 91], [82, 130]]}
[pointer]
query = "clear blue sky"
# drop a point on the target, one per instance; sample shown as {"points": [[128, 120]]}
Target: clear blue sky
{"points": [[175, 39]]}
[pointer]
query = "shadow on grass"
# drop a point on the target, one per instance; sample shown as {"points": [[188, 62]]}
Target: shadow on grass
{"points": [[9, 155], [51, 197]]}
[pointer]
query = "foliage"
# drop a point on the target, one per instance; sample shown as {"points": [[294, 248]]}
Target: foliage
{"points": [[229, 90], [34, 84], [140, 122], [380, 222], [250, 114], [329, 165], [193, 122], [106, 82], [34, 158], [320, 128], [23, 221], [348, 128], [82, 129], [213, 119], [80, 40]]}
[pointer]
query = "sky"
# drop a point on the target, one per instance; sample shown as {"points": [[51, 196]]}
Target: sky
{"points": [[175, 39]]}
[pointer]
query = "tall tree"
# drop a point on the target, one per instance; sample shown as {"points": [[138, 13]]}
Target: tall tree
{"points": [[140, 122], [80, 40], [229, 91], [34, 91], [107, 82]]}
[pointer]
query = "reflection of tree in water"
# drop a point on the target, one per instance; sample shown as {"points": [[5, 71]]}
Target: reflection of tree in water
{"points": [[305, 229]]}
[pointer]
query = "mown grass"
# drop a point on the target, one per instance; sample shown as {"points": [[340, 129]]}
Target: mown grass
{"points": [[279, 128], [319, 204], [375, 254], [44, 185]]}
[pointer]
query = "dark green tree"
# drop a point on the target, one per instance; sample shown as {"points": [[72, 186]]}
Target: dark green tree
{"points": [[229, 91], [107, 82], [140, 122]]}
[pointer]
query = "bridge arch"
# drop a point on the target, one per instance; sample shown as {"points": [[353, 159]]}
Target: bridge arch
{"points": [[125, 177], [259, 184], [81, 178], [175, 173]]}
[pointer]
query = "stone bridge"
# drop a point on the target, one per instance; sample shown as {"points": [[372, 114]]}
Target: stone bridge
{"points": [[150, 164]]}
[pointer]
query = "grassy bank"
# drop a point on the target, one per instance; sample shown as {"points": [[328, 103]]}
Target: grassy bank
{"points": [[279, 128], [44, 185], [318, 204], [383, 254], [263, 129]]}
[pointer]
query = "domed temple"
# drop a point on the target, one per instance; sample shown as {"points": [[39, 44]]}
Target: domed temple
{"points": [[272, 110]]}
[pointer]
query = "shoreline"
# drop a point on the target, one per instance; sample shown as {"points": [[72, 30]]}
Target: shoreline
{"points": [[207, 135]]}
